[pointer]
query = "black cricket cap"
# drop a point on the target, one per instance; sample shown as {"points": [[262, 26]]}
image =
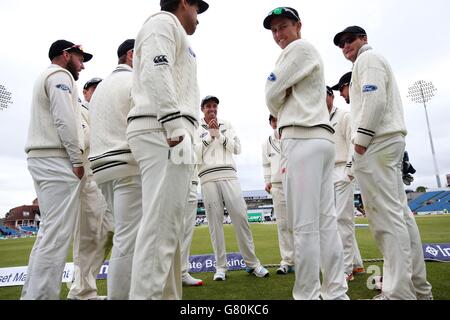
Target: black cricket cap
{"points": [[202, 5], [287, 12], [208, 98], [352, 29], [345, 79], [126, 46], [59, 46], [92, 82]]}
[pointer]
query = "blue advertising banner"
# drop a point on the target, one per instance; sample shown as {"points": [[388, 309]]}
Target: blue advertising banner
{"points": [[16, 276], [103, 273], [436, 252], [207, 262], [200, 263]]}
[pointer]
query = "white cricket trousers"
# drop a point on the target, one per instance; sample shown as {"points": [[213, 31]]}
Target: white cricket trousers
{"points": [[58, 191], [215, 194], [124, 199], [379, 175], [91, 235], [189, 225], [309, 199], [357, 260], [156, 270], [345, 212], [285, 235]]}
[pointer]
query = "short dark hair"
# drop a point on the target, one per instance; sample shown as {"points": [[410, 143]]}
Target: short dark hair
{"points": [[271, 117]]}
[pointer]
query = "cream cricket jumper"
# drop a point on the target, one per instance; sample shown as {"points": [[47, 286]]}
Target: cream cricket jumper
{"points": [[341, 122], [110, 154], [216, 156], [271, 158], [303, 113], [165, 91], [376, 104], [86, 130], [55, 125]]}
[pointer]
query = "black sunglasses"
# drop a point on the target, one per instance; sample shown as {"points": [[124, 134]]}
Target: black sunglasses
{"points": [[348, 40]]}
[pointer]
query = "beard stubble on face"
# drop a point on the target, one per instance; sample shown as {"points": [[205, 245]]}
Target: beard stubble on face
{"points": [[71, 67]]}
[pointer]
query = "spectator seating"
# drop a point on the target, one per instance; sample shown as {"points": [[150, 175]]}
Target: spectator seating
{"points": [[9, 232], [422, 200]]}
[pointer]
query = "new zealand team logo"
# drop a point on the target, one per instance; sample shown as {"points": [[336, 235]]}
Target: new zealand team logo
{"points": [[160, 60], [63, 87], [272, 77], [369, 88]]}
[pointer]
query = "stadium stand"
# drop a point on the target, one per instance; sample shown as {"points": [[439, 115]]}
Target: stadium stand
{"points": [[421, 201], [431, 201], [29, 229], [439, 203], [9, 232]]}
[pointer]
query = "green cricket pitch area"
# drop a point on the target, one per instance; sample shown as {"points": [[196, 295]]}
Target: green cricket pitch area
{"points": [[243, 286]]}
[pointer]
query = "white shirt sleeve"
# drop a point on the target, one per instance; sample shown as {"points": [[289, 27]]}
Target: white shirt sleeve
{"points": [[59, 88], [266, 162], [159, 52], [373, 80], [295, 64], [230, 141]]}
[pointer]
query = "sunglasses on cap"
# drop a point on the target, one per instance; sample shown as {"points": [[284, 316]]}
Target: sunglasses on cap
{"points": [[349, 40], [330, 92], [75, 46], [282, 10]]}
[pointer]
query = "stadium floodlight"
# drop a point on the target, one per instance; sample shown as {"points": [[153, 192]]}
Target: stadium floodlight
{"points": [[422, 92], [5, 97]]}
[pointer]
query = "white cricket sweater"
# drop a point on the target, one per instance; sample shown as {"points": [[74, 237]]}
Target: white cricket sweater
{"points": [[86, 131], [216, 156], [303, 113], [271, 158], [165, 91], [55, 124], [341, 122], [376, 104], [110, 154]]}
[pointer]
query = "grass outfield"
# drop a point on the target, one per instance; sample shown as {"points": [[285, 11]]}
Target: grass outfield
{"points": [[240, 285]]}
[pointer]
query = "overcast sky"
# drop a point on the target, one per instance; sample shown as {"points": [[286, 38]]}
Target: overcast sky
{"points": [[235, 55]]}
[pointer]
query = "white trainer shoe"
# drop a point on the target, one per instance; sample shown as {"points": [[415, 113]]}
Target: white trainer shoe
{"points": [[220, 276], [380, 297], [349, 277], [426, 297], [99, 298], [260, 272], [285, 269], [190, 281], [92, 298]]}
